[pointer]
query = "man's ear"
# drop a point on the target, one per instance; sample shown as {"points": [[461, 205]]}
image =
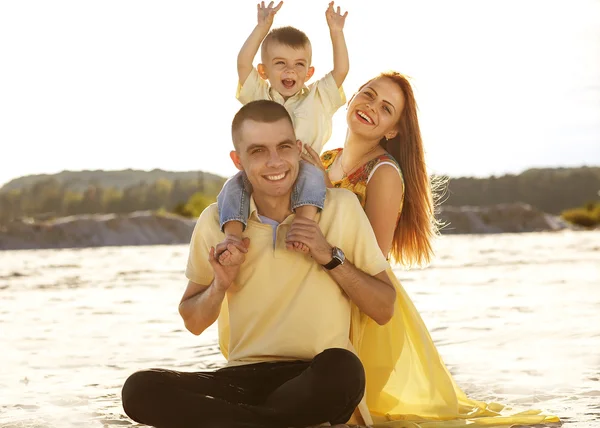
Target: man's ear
{"points": [[309, 74], [236, 160], [299, 145], [262, 71]]}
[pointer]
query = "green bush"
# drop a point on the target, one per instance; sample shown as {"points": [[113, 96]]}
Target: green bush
{"points": [[583, 216], [194, 206]]}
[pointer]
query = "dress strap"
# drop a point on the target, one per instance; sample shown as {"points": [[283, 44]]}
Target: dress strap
{"points": [[385, 159], [380, 164]]}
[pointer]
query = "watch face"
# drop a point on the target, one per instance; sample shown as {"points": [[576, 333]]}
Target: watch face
{"points": [[337, 258], [338, 254]]}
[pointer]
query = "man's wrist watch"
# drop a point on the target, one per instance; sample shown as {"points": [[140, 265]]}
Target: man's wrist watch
{"points": [[338, 258]]}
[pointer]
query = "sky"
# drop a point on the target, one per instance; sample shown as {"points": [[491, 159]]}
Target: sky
{"points": [[501, 85]]}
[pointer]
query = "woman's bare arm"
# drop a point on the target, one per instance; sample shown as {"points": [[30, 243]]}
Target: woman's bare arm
{"points": [[384, 198]]}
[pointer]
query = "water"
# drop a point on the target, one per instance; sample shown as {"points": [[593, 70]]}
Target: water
{"points": [[515, 317]]}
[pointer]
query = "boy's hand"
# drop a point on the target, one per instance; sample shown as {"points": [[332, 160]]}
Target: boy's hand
{"points": [[266, 14], [335, 20]]}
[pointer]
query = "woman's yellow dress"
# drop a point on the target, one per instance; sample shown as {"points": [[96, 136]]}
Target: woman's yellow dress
{"points": [[408, 384]]}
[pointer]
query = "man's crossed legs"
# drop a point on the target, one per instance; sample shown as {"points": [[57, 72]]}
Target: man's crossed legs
{"points": [[277, 395]]}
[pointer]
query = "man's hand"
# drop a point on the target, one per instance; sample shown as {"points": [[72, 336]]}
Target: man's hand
{"points": [[225, 275], [309, 233], [266, 14], [335, 20]]}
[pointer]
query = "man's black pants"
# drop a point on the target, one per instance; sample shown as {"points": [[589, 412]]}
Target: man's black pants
{"points": [[278, 394]]}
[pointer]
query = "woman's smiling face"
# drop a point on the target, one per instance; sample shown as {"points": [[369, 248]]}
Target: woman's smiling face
{"points": [[375, 110]]}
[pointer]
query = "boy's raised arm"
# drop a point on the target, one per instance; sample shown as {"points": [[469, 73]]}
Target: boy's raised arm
{"points": [[250, 47], [341, 62]]}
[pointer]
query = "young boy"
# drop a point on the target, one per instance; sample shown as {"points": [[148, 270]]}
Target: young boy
{"points": [[286, 65]]}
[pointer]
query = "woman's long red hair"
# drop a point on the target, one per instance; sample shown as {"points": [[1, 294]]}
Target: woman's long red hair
{"points": [[417, 226]]}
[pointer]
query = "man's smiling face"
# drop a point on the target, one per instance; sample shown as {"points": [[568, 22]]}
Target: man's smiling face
{"points": [[269, 155]]}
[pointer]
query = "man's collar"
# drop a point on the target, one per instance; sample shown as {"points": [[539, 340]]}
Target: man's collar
{"points": [[255, 215], [253, 210]]}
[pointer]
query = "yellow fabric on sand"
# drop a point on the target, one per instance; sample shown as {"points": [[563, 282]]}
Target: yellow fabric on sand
{"points": [[408, 384]]}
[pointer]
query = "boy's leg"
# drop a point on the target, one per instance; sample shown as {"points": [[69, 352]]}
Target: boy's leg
{"points": [[308, 196], [233, 203], [309, 188]]}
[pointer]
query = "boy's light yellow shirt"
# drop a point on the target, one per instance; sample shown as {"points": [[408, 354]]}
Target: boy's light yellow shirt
{"points": [[311, 109], [283, 305]]}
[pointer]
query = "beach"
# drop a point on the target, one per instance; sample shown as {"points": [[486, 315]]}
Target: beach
{"points": [[516, 317]]}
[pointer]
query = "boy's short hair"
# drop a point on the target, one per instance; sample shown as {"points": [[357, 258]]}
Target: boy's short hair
{"points": [[265, 111], [288, 36]]}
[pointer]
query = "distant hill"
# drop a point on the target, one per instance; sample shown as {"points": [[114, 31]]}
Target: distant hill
{"points": [[78, 181], [551, 190]]}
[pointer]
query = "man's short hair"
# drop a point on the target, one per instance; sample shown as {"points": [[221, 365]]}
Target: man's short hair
{"points": [[265, 111], [288, 36]]}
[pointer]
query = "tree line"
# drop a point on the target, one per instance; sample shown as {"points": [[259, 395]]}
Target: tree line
{"points": [[550, 190], [50, 198]]}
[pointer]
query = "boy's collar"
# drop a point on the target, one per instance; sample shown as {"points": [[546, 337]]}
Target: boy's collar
{"points": [[278, 98]]}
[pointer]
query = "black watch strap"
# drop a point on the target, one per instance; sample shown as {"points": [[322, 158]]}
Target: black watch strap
{"points": [[337, 258], [333, 263]]}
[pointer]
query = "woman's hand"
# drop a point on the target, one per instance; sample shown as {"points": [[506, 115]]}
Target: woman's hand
{"points": [[313, 158]]}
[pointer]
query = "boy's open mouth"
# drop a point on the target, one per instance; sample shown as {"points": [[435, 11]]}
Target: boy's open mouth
{"points": [[288, 83]]}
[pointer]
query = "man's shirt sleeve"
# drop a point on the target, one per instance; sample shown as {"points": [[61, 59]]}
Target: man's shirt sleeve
{"points": [[198, 268]]}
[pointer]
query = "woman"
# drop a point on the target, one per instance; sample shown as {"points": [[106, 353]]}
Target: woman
{"points": [[382, 162]]}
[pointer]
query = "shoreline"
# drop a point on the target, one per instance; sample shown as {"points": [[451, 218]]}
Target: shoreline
{"points": [[153, 228]]}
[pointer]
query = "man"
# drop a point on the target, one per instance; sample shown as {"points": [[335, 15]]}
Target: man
{"points": [[285, 316]]}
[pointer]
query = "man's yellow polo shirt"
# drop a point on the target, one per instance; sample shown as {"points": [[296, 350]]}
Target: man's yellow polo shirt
{"points": [[311, 109], [283, 305]]}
